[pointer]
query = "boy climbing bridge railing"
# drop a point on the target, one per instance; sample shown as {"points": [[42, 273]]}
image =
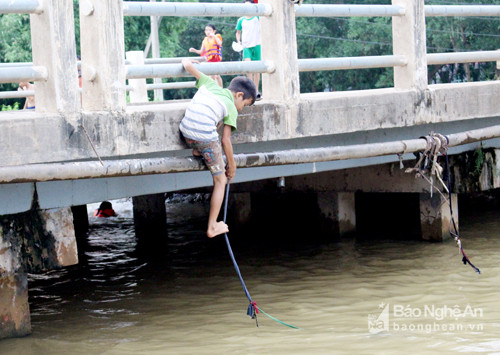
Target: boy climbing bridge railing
{"points": [[105, 71]]}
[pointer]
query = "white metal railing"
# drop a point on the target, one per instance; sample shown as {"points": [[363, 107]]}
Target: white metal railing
{"points": [[138, 8], [463, 57], [171, 86], [464, 10], [163, 67], [177, 70], [20, 7], [348, 10], [351, 63], [23, 73], [16, 94]]}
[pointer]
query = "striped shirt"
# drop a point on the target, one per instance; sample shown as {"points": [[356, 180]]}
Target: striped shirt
{"points": [[210, 105]]}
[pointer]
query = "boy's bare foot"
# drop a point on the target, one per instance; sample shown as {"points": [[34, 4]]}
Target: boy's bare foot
{"points": [[216, 229]]}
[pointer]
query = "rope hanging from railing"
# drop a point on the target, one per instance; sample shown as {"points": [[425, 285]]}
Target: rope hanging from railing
{"points": [[428, 168], [252, 309]]}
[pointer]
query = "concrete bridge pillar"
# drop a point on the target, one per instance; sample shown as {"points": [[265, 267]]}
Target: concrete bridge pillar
{"points": [[15, 318], [283, 84], [409, 39], [53, 47], [102, 52], [33, 241], [81, 225], [150, 221], [239, 211], [338, 211], [435, 216]]}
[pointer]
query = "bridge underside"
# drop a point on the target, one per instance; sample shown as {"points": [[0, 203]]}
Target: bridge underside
{"points": [[148, 131]]}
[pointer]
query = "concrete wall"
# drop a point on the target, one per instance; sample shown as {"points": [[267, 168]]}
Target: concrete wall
{"points": [[149, 129]]}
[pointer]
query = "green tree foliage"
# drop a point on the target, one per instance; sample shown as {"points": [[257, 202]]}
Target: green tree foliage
{"points": [[15, 38], [15, 46], [462, 34]]}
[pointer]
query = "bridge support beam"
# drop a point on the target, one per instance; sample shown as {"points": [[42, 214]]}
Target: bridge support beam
{"points": [[33, 241], [150, 221], [435, 216], [338, 212], [81, 225], [53, 42], [15, 318], [239, 211]]}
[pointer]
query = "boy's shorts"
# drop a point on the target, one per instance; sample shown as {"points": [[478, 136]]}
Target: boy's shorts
{"points": [[253, 53], [211, 153]]}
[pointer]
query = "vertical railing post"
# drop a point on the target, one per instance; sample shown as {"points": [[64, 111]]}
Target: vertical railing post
{"points": [[408, 36], [155, 46], [279, 44], [53, 47], [139, 92], [102, 51]]}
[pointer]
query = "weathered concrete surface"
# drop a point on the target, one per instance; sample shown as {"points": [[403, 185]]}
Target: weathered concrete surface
{"points": [[409, 40], [476, 171], [435, 217], [14, 307], [59, 225], [338, 212], [153, 129], [53, 46], [46, 238], [283, 84], [32, 241], [15, 318], [103, 62]]}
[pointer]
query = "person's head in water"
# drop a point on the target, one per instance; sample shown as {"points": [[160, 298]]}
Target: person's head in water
{"points": [[105, 210], [105, 205]]}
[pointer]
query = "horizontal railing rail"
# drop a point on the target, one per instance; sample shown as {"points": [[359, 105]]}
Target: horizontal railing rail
{"points": [[16, 94], [25, 73], [171, 86], [316, 64], [177, 70], [463, 57], [138, 8], [170, 60], [461, 10], [20, 7], [336, 10]]}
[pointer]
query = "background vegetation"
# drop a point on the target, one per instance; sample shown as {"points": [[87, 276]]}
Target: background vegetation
{"points": [[316, 38]]}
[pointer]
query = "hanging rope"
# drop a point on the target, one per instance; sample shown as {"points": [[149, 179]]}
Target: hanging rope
{"points": [[428, 168], [253, 309], [454, 231]]}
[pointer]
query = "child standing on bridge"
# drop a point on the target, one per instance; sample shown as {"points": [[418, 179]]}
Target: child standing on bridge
{"points": [[210, 107], [211, 49]]}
